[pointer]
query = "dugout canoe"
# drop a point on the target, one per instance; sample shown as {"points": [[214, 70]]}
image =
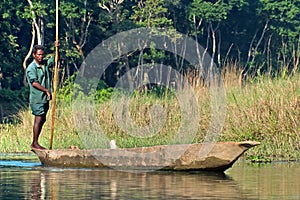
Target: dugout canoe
{"points": [[179, 157]]}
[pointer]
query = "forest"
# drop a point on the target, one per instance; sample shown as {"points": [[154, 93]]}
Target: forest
{"points": [[254, 43], [258, 36]]}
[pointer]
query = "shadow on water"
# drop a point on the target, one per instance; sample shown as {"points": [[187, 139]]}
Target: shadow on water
{"points": [[18, 164], [20, 161], [29, 180]]}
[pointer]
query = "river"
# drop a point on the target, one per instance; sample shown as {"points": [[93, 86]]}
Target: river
{"points": [[27, 179]]}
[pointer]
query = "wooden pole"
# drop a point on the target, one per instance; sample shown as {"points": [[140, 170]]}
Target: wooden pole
{"points": [[55, 77]]}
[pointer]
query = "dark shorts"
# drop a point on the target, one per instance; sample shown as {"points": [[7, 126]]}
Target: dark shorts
{"points": [[39, 108]]}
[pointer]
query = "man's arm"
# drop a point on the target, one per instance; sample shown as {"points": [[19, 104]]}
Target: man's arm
{"points": [[38, 86]]}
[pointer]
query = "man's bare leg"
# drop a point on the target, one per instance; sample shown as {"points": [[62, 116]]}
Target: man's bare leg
{"points": [[39, 121]]}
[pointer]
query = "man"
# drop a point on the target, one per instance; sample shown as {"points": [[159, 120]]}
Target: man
{"points": [[38, 78]]}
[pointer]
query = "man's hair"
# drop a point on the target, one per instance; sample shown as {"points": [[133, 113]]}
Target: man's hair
{"points": [[37, 47]]}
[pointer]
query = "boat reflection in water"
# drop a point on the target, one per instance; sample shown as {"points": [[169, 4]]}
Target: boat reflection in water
{"points": [[55, 183], [30, 180]]}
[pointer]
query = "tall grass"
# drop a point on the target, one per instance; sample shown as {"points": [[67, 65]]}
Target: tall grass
{"points": [[268, 111], [263, 109]]}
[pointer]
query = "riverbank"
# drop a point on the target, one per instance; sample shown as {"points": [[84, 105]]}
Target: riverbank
{"points": [[265, 110]]}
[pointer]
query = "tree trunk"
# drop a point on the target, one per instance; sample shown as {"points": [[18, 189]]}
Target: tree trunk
{"points": [[37, 33]]}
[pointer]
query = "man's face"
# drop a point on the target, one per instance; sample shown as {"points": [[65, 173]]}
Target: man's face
{"points": [[38, 56]]}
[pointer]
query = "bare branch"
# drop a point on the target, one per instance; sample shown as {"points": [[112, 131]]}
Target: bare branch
{"points": [[37, 27], [260, 39], [30, 49]]}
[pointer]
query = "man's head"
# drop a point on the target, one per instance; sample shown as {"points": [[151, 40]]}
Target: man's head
{"points": [[38, 53]]}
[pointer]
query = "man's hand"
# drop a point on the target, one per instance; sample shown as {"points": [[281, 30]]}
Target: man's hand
{"points": [[49, 95], [56, 43]]}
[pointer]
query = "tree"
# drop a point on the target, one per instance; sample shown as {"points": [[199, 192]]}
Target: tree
{"points": [[151, 13], [283, 17], [36, 12], [207, 17], [261, 35], [77, 17], [11, 49]]}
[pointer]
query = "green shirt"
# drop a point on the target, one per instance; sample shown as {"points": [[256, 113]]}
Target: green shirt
{"points": [[41, 74]]}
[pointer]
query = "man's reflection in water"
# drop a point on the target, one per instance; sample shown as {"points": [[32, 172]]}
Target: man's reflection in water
{"points": [[38, 187], [113, 189]]}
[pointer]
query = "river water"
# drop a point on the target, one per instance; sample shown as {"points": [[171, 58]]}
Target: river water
{"points": [[27, 179]]}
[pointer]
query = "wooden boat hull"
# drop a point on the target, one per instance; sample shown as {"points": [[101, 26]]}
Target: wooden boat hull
{"points": [[201, 156]]}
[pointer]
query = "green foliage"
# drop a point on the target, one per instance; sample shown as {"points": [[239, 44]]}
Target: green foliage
{"points": [[154, 55], [156, 91], [85, 24], [11, 102], [151, 13], [7, 95], [10, 51], [38, 9], [284, 16], [101, 93], [70, 10], [213, 11], [258, 159], [72, 53], [65, 93]]}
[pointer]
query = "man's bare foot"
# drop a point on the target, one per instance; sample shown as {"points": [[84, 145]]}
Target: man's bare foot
{"points": [[37, 146]]}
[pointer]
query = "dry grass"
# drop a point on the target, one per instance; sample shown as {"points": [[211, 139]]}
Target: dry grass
{"points": [[265, 109]]}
